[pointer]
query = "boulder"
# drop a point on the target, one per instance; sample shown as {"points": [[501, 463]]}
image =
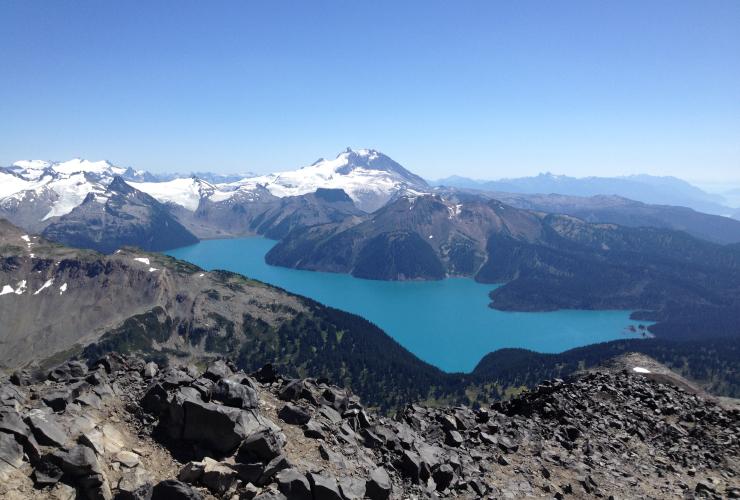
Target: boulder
{"points": [[218, 477], [218, 370], [172, 378], [370, 439], [324, 487], [204, 387], [127, 459], [30, 375], [93, 439], [154, 401], [416, 469], [191, 472], [171, 489], [58, 399], [352, 488], [294, 415], [68, 371], [379, 487], [292, 391], [90, 399], [11, 422], [176, 422], [11, 450], [193, 372], [234, 394], [77, 461], [454, 439], [275, 465], [136, 484], [313, 429], [150, 370], [112, 363], [45, 429], [249, 472], [262, 444], [444, 477], [215, 427], [336, 398], [293, 485], [47, 473]]}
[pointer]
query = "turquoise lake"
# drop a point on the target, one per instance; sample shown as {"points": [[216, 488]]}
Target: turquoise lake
{"points": [[446, 323]]}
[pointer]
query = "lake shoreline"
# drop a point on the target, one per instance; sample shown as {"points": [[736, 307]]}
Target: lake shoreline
{"points": [[446, 323]]}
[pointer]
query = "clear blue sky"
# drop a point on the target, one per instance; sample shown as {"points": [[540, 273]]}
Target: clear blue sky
{"points": [[483, 89]]}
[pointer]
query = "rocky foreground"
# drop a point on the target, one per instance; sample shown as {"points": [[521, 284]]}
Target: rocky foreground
{"points": [[131, 430]]}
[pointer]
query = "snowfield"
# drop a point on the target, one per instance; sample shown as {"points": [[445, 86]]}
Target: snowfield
{"points": [[184, 192]]}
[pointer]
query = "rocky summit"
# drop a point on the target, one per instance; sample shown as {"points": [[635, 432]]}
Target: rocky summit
{"points": [[122, 428]]}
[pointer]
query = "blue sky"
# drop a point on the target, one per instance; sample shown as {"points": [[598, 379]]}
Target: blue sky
{"points": [[481, 89]]}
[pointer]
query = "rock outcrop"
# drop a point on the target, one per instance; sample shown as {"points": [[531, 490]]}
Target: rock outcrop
{"points": [[138, 431]]}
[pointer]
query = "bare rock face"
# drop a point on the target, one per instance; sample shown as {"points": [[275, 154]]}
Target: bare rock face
{"points": [[603, 434]]}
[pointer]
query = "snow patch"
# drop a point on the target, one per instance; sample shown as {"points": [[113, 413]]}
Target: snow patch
{"points": [[21, 287], [152, 269], [26, 238], [62, 289], [46, 285], [201, 275], [143, 259], [640, 370], [7, 289], [184, 192]]}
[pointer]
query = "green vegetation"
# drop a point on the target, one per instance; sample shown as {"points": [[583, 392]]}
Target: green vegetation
{"points": [[713, 363], [134, 336], [390, 256]]}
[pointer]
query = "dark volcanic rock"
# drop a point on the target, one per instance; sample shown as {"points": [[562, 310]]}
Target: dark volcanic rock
{"points": [[77, 461], [294, 485], [262, 444], [172, 489], [112, 362], [379, 487], [324, 487], [215, 427], [68, 371], [291, 391], [218, 370], [31, 375], [154, 400], [11, 450], [294, 415], [47, 473], [234, 394], [46, 430]]}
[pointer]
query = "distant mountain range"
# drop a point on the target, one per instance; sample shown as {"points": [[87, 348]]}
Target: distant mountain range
{"points": [[54, 198], [645, 188]]}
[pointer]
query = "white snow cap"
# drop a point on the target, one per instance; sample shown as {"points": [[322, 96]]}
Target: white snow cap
{"points": [[640, 370], [143, 259]]}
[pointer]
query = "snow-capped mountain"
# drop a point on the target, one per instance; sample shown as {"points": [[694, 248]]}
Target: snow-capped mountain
{"points": [[370, 178], [102, 171], [32, 202]]}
